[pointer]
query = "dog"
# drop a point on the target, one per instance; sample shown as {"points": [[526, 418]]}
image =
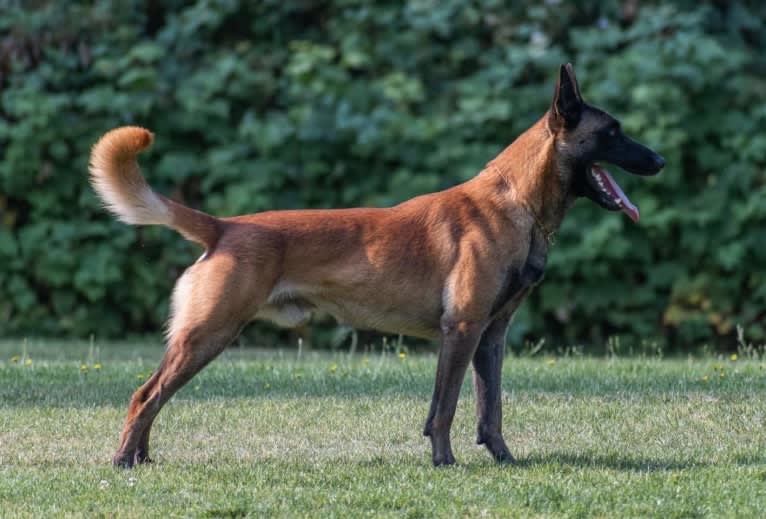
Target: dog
{"points": [[452, 265]]}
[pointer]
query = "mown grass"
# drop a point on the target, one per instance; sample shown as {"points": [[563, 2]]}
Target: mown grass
{"points": [[265, 433]]}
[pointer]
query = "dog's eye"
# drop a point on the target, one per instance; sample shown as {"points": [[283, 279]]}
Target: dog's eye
{"points": [[612, 132]]}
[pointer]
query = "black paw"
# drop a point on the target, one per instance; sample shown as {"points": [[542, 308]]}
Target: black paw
{"points": [[445, 460], [496, 446]]}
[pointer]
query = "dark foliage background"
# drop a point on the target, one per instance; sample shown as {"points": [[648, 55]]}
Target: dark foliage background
{"points": [[291, 104]]}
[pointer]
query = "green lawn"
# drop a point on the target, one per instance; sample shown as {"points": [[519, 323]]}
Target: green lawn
{"points": [[265, 433]]}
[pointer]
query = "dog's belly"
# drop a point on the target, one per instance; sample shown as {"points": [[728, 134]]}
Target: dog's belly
{"points": [[388, 320], [290, 308], [288, 314]]}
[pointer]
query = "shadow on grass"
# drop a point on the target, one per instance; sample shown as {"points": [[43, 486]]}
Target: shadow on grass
{"points": [[610, 462], [558, 461], [628, 463]]}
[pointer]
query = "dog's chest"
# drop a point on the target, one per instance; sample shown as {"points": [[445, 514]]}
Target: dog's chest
{"points": [[517, 280]]}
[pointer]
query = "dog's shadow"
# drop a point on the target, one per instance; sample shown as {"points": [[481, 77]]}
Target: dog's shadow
{"points": [[627, 463], [567, 460], [606, 461]]}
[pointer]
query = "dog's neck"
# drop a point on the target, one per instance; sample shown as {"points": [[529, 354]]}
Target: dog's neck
{"points": [[534, 178]]}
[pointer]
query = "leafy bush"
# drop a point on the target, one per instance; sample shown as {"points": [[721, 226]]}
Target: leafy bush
{"points": [[272, 104]]}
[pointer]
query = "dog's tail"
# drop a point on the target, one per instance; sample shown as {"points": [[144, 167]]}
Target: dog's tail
{"points": [[116, 177]]}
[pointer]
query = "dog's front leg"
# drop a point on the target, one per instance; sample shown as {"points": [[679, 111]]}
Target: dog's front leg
{"points": [[488, 365], [487, 374], [459, 341]]}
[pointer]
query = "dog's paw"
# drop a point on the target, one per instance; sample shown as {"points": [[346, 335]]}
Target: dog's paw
{"points": [[499, 451], [142, 457], [505, 458], [123, 461], [444, 460], [131, 459]]}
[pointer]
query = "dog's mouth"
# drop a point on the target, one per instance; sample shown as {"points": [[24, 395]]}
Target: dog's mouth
{"points": [[609, 194]]}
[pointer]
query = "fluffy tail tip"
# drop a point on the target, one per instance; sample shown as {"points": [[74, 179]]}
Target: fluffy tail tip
{"points": [[117, 179], [142, 137], [127, 140]]}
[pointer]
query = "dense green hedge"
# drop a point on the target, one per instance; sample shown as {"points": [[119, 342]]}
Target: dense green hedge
{"points": [[286, 104]]}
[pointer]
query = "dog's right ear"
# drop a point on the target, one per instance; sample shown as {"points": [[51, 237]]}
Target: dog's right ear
{"points": [[567, 105]]}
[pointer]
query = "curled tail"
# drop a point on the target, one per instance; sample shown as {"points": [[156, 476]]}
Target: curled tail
{"points": [[116, 177]]}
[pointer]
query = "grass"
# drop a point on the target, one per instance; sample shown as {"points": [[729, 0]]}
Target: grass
{"points": [[268, 434]]}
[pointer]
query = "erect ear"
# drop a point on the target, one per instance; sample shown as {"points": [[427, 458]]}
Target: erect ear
{"points": [[567, 105]]}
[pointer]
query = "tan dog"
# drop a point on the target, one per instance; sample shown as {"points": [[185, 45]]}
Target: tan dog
{"points": [[452, 265]]}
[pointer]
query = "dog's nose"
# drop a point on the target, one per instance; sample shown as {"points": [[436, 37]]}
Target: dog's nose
{"points": [[659, 161]]}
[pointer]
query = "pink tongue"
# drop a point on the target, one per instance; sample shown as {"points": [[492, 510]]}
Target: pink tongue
{"points": [[616, 193]]}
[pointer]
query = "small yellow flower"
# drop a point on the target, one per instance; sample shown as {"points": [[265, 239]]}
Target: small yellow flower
{"points": [[704, 378], [402, 355], [297, 374], [140, 376], [266, 386], [551, 362], [97, 366], [722, 375], [733, 356], [196, 388], [365, 361], [28, 362], [83, 368], [15, 359]]}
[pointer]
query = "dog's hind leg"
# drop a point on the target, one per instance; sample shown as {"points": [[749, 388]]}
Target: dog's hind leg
{"points": [[187, 354], [211, 303]]}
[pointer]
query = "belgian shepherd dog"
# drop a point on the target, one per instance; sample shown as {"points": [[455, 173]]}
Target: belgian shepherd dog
{"points": [[452, 265]]}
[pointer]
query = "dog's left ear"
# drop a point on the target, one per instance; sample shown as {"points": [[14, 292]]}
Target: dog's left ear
{"points": [[567, 105]]}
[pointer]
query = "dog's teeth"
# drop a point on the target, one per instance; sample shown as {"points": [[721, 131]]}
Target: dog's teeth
{"points": [[618, 202]]}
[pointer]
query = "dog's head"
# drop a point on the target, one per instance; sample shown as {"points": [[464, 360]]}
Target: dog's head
{"points": [[587, 137]]}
